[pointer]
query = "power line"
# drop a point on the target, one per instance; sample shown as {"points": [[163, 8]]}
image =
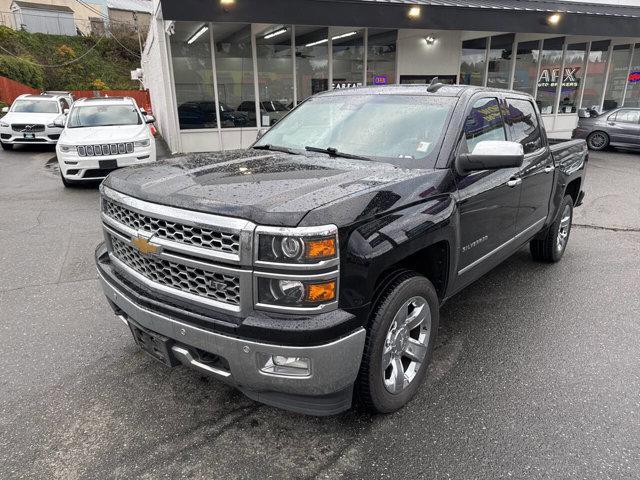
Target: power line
{"points": [[70, 62]]}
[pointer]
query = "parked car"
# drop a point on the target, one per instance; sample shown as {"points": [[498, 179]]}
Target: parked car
{"points": [[202, 114], [269, 109], [314, 263], [102, 134], [31, 119], [616, 128]]}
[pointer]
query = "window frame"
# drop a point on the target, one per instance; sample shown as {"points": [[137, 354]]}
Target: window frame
{"points": [[473, 101], [536, 112], [614, 116]]}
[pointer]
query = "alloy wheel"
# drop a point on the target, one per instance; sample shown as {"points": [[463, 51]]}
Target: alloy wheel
{"points": [[565, 226], [406, 344]]}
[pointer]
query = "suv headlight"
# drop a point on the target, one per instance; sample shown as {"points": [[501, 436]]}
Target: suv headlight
{"points": [[66, 148], [4, 125], [141, 143]]}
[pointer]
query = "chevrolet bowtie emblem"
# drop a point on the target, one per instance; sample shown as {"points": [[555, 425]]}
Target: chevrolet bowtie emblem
{"points": [[144, 246]]}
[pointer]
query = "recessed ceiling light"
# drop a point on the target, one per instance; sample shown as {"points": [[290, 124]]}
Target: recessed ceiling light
{"points": [[414, 12], [227, 2], [275, 33], [553, 19]]}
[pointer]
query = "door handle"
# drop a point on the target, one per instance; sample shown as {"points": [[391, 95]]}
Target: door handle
{"points": [[514, 182], [549, 169]]}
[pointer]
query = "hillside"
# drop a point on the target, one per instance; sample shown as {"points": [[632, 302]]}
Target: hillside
{"points": [[106, 65]]}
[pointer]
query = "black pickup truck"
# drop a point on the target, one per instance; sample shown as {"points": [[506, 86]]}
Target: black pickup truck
{"points": [[308, 270]]}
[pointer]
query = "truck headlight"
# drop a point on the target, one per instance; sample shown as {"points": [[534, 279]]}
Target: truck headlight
{"points": [[141, 143], [306, 246], [297, 293]]}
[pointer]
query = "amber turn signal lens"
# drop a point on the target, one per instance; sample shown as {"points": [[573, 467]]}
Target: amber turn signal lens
{"points": [[323, 248], [321, 292]]}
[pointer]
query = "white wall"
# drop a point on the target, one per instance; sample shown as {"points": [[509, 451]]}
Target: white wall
{"points": [[415, 57]]}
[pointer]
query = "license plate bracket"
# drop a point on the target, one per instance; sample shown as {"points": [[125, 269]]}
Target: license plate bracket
{"points": [[108, 163], [154, 344]]}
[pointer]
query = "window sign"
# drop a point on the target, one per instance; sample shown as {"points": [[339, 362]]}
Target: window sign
{"points": [[634, 77], [380, 80], [340, 85], [549, 77]]}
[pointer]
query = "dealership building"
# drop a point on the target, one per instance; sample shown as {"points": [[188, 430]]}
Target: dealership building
{"points": [[219, 70]]}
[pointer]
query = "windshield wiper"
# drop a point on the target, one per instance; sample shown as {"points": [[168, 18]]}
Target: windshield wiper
{"points": [[276, 148], [332, 152]]}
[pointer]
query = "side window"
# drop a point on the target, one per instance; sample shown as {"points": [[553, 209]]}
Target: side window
{"points": [[524, 123], [484, 122], [627, 116], [63, 104]]}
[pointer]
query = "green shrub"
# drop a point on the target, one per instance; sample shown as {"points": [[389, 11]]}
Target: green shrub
{"points": [[21, 71]]}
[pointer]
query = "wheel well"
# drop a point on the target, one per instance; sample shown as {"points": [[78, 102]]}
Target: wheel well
{"points": [[573, 189], [432, 262]]}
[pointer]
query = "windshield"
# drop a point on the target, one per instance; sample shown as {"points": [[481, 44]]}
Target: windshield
{"points": [[35, 106], [400, 129], [103, 116]]}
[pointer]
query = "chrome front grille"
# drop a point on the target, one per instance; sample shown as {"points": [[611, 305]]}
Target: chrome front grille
{"points": [[27, 127], [174, 231], [105, 149], [196, 281]]}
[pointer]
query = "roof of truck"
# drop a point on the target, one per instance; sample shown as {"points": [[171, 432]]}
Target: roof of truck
{"points": [[412, 89]]}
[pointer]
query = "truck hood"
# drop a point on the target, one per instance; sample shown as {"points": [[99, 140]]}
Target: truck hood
{"points": [[92, 135], [268, 188]]}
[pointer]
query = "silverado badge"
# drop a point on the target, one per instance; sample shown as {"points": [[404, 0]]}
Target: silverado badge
{"points": [[144, 246]]}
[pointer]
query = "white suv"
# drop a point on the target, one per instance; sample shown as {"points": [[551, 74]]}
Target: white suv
{"points": [[33, 119], [102, 134]]}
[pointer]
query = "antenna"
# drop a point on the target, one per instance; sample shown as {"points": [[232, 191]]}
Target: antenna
{"points": [[434, 85]]}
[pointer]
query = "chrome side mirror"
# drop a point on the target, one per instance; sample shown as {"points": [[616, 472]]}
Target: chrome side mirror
{"points": [[149, 119], [491, 155], [5, 109]]}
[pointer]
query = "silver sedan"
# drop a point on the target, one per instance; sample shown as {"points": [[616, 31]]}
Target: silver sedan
{"points": [[616, 128]]}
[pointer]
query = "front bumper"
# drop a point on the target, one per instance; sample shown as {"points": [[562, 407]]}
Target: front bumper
{"points": [[49, 136], [327, 390], [77, 168]]}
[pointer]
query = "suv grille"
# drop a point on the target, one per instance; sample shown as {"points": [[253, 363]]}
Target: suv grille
{"points": [[27, 127], [215, 286], [106, 149], [177, 232]]}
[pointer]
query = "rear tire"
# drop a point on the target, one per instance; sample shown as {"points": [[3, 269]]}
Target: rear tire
{"points": [[400, 337], [551, 244], [6, 146], [598, 140]]}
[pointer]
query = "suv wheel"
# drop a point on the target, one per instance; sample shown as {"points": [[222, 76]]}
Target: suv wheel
{"points": [[550, 245], [6, 146], [400, 338], [598, 141]]}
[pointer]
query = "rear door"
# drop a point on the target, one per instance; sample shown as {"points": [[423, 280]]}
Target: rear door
{"points": [[537, 169], [624, 126], [488, 199]]}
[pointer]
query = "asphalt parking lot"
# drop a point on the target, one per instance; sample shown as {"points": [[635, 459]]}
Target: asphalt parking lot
{"points": [[536, 373]]}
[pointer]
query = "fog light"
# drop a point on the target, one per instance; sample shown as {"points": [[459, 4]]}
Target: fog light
{"points": [[284, 365]]}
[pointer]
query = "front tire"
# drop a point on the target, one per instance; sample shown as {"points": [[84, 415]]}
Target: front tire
{"points": [[598, 141], [399, 343], [552, 243], [6, 146]]}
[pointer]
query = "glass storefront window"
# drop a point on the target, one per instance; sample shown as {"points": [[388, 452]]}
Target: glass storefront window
{"points": [[348, 57], [549, 74], [193, 75], [526, 73], [472, 61], [618, 73], [500, 53], [632, 98], [572, 77], [596, 69], [381, 56], [275, 73], [312, 61], [234, 72]]}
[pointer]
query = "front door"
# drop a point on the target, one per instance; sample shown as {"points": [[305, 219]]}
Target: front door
{"points": [[537, 171], [488, 199]]}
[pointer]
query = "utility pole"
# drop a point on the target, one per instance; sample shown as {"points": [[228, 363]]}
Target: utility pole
{"points": [[137, 27]]}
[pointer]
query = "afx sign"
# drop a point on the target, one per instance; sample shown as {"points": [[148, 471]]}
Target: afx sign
{"points": [[549, 77]]}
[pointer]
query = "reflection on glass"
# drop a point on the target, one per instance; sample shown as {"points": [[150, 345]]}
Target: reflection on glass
{"points": [[526, 73], [500, 61], [234, 69], [381, 56], [549, 74], [348, 57], [594, 81], [484, 122], [312, 61], [193, 75], [572, 77], [275, 73], [618, 73], [524, 125], [632, 99], [472, 61]]}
